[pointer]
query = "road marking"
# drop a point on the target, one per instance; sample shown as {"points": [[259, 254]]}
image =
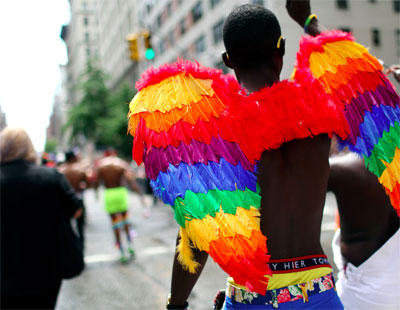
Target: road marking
{"points": [[100, 258], [156, 251]]}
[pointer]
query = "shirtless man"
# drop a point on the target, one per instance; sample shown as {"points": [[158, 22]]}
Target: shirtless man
{"points": [[292, 178], [76, 176], [113, 173], [367, 245]]}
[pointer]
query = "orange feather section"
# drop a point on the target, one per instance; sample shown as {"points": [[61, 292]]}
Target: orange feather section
{"points": [[248, 266], [158, 121], [352, 70]]}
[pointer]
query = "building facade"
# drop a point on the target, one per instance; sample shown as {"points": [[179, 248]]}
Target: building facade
{"points": [[81, 39], [192, 29]]}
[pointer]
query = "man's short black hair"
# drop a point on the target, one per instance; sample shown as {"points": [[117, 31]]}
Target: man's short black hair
{"points": [[69, 155], [251, 33]]}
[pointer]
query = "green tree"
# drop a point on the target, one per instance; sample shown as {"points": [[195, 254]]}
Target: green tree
{"points": [[50, 146], [83, 116], [116, 124], [101, 115]]}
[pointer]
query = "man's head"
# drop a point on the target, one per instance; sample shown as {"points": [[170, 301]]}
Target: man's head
{"points": [[70, 156], [110, 152], [252, 38]]}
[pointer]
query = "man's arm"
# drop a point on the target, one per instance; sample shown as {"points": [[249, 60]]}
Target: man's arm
{"points": [[71, 204], [299, 11], [183, 281]]}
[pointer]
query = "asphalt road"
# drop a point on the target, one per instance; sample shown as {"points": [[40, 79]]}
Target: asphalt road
{"points": [[144, 283]]}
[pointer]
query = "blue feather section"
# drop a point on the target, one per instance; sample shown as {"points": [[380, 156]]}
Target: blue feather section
{"points": [[200, 178], [376, 121]]}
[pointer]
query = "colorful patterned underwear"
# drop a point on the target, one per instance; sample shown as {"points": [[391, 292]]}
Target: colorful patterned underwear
{"points": [[319, 293]]}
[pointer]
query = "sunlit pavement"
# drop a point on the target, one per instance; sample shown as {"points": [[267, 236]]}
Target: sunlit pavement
{"points": [[144, 282]]}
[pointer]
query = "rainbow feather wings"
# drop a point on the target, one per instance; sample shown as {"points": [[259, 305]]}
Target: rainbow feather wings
{"points": [[200, 139], [194, 162], [351, 76]]}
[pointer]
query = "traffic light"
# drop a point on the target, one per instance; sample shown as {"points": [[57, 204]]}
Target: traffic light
{"points": [[133, 47], [149, 51]]}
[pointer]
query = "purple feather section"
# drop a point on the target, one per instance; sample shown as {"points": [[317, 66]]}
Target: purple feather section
{"points": [[354, 111], [158, 159]]}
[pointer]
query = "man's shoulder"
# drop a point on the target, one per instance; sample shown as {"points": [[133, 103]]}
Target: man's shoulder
{"points": [[112, 161]]}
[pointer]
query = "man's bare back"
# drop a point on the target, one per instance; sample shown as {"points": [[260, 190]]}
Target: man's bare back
{"points": [[367, 219], [112, 172], [293, 181]]}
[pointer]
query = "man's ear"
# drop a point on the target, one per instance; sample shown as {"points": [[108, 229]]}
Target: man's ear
{"points": [[281, 49], [226, 60]]}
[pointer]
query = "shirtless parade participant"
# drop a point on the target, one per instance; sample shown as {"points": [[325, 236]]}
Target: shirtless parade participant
{"points": [[114, 173], [76, 176], [366, 248], [245, 167]]}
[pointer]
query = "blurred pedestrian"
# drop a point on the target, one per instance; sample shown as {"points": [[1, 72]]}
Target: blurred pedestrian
{"points": [[76, 175], [114, 173], [33, 200], [367, 246]]}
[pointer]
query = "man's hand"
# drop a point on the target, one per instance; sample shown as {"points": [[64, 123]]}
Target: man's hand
{"points": [[395, 70], [298, 10]]}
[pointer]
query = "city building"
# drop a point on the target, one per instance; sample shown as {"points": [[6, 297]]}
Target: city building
{"points": [[192, 29], [81, 39], [55, 130], [117, 19]]}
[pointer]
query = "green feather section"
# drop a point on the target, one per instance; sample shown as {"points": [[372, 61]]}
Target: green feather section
{"points": [[198, 205], [384, 150]]}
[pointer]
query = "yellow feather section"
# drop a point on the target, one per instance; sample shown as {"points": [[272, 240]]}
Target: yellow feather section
{"points": [[223, 225], [336, 54], [173, 92], [391, 175], [185, 253]]}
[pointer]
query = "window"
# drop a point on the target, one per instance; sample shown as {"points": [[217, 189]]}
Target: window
{"points": [[345, 29], [200, 45], [376, 37], [161, 47], [86, 21], [159, 21], [88, 52], [397, 34], [217, 31], [182, 26], [342, 4], [86, 37], [169, 8], [197, 12], [396, 6], [171, 37], [259, 2], [213, 3]]}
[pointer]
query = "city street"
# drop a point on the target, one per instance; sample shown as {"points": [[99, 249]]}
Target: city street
{"points": [[144, 282]]}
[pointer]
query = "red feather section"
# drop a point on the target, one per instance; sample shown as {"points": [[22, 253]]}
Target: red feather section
{"points": [[271, 116], [261, 121], [155, 75]]}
